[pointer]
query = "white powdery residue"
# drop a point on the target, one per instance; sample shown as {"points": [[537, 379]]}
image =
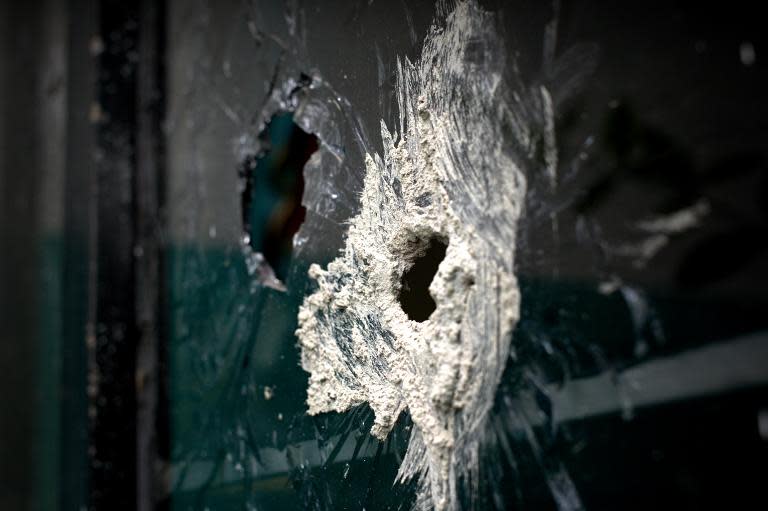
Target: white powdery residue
{"points": [[448, 177]]}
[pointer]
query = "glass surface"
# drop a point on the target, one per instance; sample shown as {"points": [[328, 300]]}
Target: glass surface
{"points": [[638, 371]]}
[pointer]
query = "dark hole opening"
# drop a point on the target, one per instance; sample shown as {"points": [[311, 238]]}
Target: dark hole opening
{"points": [[273, 186], [414, 295]]}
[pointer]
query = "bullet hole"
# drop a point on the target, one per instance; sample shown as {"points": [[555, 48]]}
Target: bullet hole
{"points": [[273, 184], [414, 295]]}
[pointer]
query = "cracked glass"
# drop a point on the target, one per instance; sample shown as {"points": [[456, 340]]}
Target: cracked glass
{"points": [[634, 376]]}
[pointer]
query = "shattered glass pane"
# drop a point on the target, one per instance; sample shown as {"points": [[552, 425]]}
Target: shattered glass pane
{"points": [[611, 180], [273, 185]]}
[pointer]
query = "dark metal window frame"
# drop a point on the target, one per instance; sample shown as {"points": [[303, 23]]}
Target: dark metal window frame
{"points": [[114, 258]]}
